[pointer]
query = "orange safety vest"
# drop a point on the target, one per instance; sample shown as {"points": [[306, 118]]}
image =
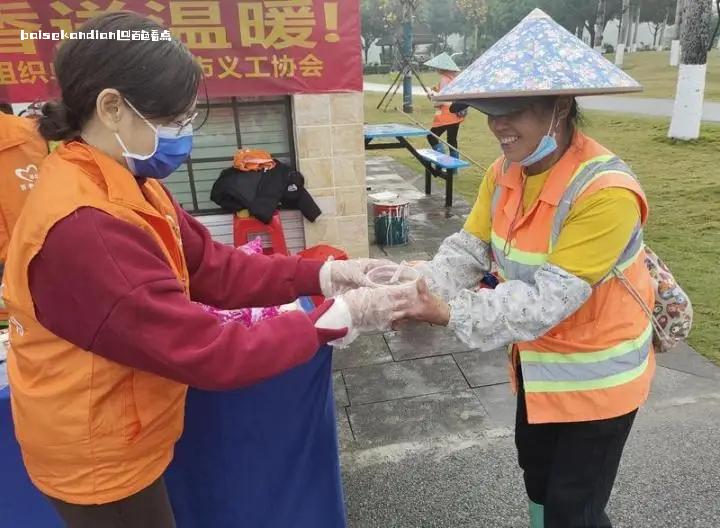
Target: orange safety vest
{"points": [[443, 115], [21, 151], [597, 363], [91, 430]]}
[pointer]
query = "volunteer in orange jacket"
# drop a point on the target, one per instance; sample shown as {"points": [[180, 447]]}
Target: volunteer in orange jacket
{"points": [[558, 215], [445, 121], [100, 279], [22, 149]]}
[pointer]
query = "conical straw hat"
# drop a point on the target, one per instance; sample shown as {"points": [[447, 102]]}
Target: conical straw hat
{"points": [[443, 62], [538, 57]]}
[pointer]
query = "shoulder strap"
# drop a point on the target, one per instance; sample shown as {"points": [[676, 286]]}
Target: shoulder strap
{"points": [[585, 176], [500, 167]]}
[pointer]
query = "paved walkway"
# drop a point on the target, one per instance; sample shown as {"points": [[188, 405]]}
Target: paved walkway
{"points": [[626, 105], [426, 423]]}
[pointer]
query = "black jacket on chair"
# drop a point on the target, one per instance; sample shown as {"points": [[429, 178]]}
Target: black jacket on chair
{"points": [[261, 192]]}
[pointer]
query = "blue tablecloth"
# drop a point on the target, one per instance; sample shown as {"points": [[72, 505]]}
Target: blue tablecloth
{"points": [[265, 456]]}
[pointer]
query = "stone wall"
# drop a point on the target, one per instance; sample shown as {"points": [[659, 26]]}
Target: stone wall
{"points": [[331, 155]]}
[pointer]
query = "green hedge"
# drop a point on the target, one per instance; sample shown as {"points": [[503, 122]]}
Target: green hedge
{"points": [[376, 68]]}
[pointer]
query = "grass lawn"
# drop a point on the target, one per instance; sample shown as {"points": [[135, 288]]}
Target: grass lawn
{"points": [[652, 69], [682, 182]]}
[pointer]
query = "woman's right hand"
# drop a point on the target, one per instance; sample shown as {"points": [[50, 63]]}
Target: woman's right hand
{"points": [[375, 309], [340, 276]]}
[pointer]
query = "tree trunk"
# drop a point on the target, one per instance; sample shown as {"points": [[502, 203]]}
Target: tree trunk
{"points": [[662, 30], [599, 25], [679, 9], [696, 33], [637, 26], [675, 42], [687, 111], [624, 30], [630, 29]]}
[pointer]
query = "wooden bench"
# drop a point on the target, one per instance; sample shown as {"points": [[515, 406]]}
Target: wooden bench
{"points": [[441, 166]]}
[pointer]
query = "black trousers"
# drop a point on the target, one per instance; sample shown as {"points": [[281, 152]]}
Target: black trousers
{"points": [[452, 135], [570, 468], [149, 508]]}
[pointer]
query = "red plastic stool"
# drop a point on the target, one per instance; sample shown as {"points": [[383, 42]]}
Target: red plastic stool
{"points": [[247, 229]]}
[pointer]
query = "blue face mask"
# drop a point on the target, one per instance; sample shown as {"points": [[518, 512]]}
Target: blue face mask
{"points": [[172, 147], [548, 145]]}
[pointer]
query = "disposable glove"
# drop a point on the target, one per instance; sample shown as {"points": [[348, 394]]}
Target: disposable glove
{"points": [[334, 331], [375, 309], [337, 318], [340, 276]]}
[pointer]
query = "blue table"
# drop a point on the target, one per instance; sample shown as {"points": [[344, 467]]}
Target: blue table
{"points": [[265, 456], [389, 131], [436, 164]]}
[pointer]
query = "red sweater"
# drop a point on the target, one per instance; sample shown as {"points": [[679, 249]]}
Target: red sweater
{"points": [[104, 285]]}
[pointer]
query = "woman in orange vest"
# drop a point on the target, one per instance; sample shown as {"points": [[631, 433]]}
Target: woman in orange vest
{"points": [[21, 151], [560, 218], [445, 121], [100, 278]]}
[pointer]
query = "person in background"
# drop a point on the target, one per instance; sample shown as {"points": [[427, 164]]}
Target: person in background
{"points": [[100, 281], [445, 120], [561, 218], [22, 148]]}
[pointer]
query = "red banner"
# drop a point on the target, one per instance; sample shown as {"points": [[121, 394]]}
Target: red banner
{"points": [[245, 47]]}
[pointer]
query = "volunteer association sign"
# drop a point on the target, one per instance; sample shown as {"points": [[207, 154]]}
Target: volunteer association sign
{"points": [[245, 47]]}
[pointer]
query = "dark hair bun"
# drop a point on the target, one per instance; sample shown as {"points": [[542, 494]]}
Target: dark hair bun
{"points": [[55, 123]]}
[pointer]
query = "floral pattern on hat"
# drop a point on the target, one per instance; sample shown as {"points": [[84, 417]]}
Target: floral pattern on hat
{"points": [[539, 55]]}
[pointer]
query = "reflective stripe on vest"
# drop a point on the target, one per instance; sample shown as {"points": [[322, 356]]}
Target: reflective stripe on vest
{"points": [[522, 265], [560, 372], [517, 264]]}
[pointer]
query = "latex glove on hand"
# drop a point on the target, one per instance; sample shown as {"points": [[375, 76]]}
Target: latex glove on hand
{"points": [[340, 276], [375, 309], [333, 323], [425, 307]]}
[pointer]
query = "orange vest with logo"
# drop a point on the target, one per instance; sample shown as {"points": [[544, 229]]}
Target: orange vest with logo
{"points": [[22, 149], [598, 363], [443, 115], [91, 430]]}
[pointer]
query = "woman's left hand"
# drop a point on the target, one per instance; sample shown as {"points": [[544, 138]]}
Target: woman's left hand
{"points": [[426, 307]]}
